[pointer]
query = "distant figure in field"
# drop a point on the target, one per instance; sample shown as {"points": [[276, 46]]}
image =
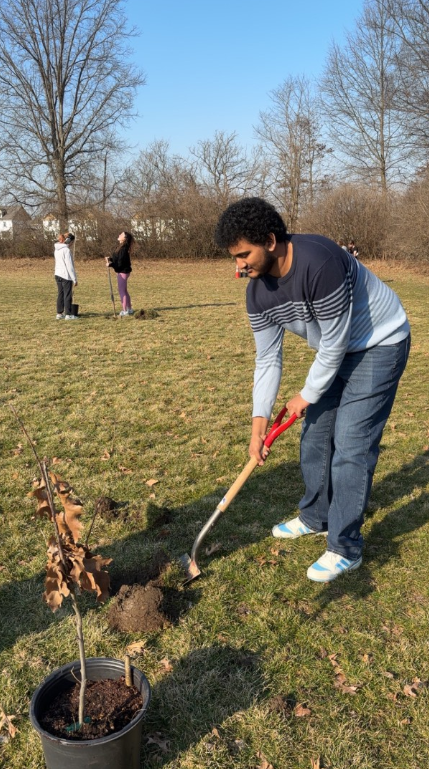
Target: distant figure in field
{"points": [[342, 244], [65, 276], [121, 263], [353, 249]]}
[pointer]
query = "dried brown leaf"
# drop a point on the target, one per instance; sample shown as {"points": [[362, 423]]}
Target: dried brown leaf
{"points": [[40, 493], [151, 482], [6, 721], [344, 688], [68, 522], [301, 711], [136, 648], [409, 690], [166, 665], [263, 761]]}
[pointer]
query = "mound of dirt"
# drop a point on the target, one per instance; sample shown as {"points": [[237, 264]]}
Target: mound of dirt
{"points": [[142, 602], [145, 314], [138, 608]]}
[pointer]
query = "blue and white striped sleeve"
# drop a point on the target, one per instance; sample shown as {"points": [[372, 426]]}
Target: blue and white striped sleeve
{"points": [[268, 365]]}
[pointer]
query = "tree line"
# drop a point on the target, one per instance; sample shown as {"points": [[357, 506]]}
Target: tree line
{"points": [[346, 155]]}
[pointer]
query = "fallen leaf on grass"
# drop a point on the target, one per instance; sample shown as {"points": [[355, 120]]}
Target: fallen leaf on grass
{"points": [[6, 721], [151, 482], [156, 738], [340, 683], [213, 548], [262, 561], [125, 470], [166, 665], [301, 711], [106, 456], [412, 690], [135, 648], [264, 763]]}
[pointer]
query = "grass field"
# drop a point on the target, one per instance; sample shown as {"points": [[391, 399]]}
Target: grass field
{"points": [[262, 667]]}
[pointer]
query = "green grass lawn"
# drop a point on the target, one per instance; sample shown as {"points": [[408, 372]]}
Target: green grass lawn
{"points": [[263, 667]]}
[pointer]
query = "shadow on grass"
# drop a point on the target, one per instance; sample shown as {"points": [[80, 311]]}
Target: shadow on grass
{"points": [[194, 306], [205, 688]]}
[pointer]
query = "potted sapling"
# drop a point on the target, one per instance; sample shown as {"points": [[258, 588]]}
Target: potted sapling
{"points": [[88, 712]]}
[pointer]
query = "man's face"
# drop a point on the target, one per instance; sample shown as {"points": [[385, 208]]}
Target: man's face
{"points": [[256, 260]]}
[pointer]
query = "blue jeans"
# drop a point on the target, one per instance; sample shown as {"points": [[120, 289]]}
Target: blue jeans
{"points": [[340, 442]]}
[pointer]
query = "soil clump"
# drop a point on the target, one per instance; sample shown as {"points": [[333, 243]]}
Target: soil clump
{"points": [[109, 706]]}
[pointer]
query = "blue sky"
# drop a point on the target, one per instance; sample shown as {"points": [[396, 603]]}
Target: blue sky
{"points": [[210, 64]]}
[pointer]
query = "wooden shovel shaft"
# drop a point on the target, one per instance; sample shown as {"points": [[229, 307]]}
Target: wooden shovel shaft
{"points": [[238, 484], [222, 506]]}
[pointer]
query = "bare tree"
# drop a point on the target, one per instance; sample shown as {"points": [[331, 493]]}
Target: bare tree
{"points": [[66, 88], [223, 168], [290, 132], [360, 88], [410, 24]]}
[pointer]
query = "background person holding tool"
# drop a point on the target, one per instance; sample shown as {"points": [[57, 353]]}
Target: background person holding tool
{"points": [[309, 285], [121, 263]]}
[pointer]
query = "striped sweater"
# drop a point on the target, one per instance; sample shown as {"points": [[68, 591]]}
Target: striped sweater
{"points": [[331, 300]]}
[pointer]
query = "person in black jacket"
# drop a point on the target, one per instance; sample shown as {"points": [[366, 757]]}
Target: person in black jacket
{"points": [[121, 263]]}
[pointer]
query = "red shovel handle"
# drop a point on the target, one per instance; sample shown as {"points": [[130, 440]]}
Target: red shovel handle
{"points": [[278, 428]]}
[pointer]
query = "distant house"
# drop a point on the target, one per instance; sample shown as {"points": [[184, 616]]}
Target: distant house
{"points": [[84, 226], [157, 228], [51, 225], [13, 219]]}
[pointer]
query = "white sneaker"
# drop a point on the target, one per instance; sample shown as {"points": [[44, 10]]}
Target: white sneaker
{"points": [[330, 565], [71, 317], [123, 313], [60, 316], [130, 312], [293, 529]]}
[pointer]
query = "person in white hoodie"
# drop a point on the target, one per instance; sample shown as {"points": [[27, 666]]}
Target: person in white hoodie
{"points": [[65, 276]]}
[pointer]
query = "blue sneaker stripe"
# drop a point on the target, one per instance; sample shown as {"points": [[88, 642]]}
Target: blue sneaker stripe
{"points": [[318, 567]]}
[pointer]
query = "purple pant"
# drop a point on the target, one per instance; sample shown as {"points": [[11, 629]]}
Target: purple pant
{"points": [[123, 290]]}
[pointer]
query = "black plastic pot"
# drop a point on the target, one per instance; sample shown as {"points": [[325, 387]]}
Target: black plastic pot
{"points": [[75, 309], [120, 750]]}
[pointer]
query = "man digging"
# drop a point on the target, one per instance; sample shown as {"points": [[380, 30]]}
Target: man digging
{"points": [[310, 286]]}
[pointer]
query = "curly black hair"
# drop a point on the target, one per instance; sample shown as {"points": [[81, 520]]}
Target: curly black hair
{"points": [[250, 219]]}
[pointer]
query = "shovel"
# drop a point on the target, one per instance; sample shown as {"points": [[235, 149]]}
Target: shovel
{"points": [[190, 563], [111, 292]]}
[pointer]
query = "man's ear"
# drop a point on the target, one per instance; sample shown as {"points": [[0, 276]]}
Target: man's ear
{"points": [[271, 242]]}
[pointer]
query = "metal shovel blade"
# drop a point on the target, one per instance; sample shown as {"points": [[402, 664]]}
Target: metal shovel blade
{"points": [[190, 567]]}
